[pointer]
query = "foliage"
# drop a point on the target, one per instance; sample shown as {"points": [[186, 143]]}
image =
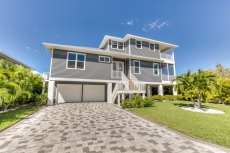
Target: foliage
{"points": [[200, 126], [157, 98], [220, 71], [41, 99], [196, 85], [17, 84], [9, 118], [169, 97], [137, 102]]}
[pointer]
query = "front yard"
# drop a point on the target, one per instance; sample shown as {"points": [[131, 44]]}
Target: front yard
{"points": [[9, 118], [214, 128]]}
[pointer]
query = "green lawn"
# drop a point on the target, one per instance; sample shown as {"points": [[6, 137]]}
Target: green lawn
{"points": [[10, 118], [209, 127]]}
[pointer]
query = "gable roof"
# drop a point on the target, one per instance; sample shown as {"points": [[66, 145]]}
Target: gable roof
{"points": [[13, 60], [164, 46]]}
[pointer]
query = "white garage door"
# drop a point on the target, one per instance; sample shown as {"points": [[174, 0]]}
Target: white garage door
{"points": [[93, 93], [69, 93]]}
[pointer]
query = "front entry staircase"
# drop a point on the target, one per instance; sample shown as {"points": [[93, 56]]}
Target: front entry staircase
{"points": [[127, 86]]}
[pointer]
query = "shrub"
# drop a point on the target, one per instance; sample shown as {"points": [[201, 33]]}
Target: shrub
{"points": [[169, 97], [157, 97], [180, 97], [41, 99], [137, 102]]}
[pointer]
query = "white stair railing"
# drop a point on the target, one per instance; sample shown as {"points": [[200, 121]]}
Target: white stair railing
{"points": [[137, 83], [125, 80]]}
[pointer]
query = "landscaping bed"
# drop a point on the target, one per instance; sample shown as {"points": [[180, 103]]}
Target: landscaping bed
{"points": [[9, 118], [209, 127]]}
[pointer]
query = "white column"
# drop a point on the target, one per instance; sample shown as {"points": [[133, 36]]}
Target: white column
{"points": [[148, 91], [123, 96], [173, 54], [130, 68], [118, 100], [168, 70], [43, 86], [143, 96], [174, 90], [160, 90], [109, 93], [130, 97], [51, 89]]}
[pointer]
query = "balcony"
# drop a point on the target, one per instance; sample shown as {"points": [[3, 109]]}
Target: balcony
{"points": [[167, 56], [45, 75], [167, 77]]}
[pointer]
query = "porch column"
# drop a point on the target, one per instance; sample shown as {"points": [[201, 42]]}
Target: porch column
{"points": [[122, 96], [160, 90], [148, 91], [43, 86], [51, 89], [118, 100], [143, 96], [109, 93], [174, 90]]}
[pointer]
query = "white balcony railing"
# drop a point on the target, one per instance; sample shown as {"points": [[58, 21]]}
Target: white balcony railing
{"points": [[167, 56], [167, 77], [45, 75], [117, 74]]}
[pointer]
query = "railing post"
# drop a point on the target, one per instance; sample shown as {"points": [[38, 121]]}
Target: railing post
{"points": [[118, 100]]}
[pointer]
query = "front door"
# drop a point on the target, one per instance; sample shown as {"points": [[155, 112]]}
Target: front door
{"points": [[118, 68]]}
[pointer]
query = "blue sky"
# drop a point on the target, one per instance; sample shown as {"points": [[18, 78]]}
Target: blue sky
{"points": [[200, 28]]}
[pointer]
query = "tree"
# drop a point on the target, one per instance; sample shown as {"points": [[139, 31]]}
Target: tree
{"points": [[196, 85], [220, 71]]}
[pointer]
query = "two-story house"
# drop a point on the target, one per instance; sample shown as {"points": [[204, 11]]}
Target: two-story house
{"points": [[119, 68]]}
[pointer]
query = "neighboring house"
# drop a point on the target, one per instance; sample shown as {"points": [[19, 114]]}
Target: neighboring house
{"points": [[5, 56], [119, 68]]}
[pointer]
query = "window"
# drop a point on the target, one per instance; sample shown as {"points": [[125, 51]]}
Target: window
{"points": [[104, 59], [114, 44], [136, 65], [76, 61], [117, 45], [151, 47], [157, 47], [139, 44], [155, 69], [120, 45]]}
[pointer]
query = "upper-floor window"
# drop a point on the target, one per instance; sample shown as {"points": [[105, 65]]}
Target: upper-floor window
{"points": [[104, 59], [76, 61], [157, 47], [151, 47], [139, 44], [117, 45], [155, 69], [136, 65]]}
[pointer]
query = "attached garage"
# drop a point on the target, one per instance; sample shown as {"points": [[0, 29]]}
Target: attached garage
{"points": [[81, 93]]}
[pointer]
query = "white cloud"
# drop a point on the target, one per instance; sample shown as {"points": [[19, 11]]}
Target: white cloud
{"points": [[154, 25], [36, 51], [130, 22], [165, 23], [27, 47], [122, 23]]}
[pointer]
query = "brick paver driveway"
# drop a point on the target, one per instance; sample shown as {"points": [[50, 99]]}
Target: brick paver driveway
{"points": [[95, 128]]}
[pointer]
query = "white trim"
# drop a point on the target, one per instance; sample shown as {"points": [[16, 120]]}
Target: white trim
{"points": [[104, 59], [134, 66], [51, 62], [129, 47], [112, 67], [83, 80], [136, 44], [76, 60], [157, 69], [117, 66], [130, 67], [154, 47], [117, 45]]}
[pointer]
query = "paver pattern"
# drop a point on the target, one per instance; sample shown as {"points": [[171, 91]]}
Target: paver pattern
{"points": [[95, 128]]}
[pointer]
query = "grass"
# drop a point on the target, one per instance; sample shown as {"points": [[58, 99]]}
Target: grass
{"points": [[9, 118], [213, 128]]}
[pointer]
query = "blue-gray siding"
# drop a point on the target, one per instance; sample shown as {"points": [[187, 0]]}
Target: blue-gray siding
{"points": [[146, 72], [93, 68], [145, 52]]}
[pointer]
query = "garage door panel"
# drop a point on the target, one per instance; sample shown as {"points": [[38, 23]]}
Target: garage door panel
{"points": [[93, 93], [69, 93]]}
